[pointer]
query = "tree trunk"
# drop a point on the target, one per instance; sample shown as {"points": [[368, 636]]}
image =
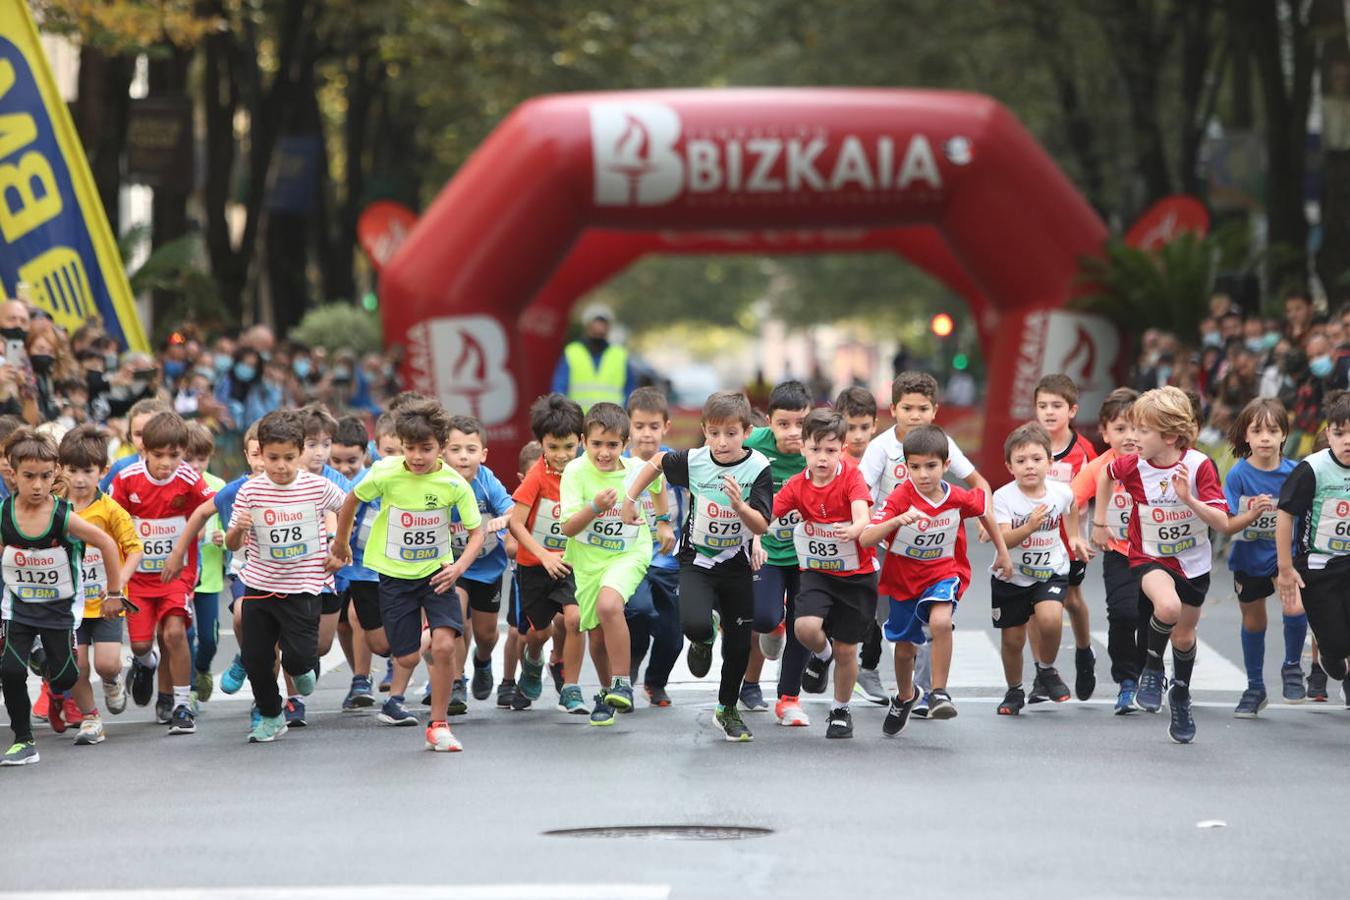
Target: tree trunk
{"points": [[168, 78], [220, 101], [1333, 258], [101, 120], [1140, 49]]}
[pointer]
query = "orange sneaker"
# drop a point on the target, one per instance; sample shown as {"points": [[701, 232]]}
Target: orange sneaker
{"points": [[43, 700], [441, 740], [789, 712]]}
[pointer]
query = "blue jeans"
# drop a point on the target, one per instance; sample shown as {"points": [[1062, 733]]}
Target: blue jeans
{"points": [[653, 614]]}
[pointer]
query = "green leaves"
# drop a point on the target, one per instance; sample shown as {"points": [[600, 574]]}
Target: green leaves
{"points": [[339, 326], [1167, 288]]}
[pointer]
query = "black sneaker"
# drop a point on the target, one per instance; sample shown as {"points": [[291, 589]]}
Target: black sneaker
{"points": [[940, 705], [556, 670], [182, 721], [699, 658], [1013, 701], [520, 701], [140, 683], [164, 708], [1055, 687], [733, 728], [1085, 681], [1040, 693], [482, 680], [506, 692], [897, 713], [1317, 684], [840, 723], [815, 678], [459, 698], [1182, 727]]}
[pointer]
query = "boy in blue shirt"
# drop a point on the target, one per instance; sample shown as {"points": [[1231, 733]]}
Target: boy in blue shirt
{"points": [[358, 586]]}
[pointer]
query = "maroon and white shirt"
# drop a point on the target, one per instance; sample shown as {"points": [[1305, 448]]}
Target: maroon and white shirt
{"points": [[287, 546], [1162, 529]]}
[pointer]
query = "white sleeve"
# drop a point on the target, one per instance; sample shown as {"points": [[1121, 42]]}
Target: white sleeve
{"points": [[872, 465], [959, 465], [1002, 511]]}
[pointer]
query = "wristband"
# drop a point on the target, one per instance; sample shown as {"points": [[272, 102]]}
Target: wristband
{"points": [[664, 517], [595, 509], [630, 499], [1098, 524]]}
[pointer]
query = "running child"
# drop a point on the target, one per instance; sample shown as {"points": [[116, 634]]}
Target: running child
{"points": [[1056, 402], [223, 503], [141, 412], [204, 634], [1177, 499], [1033, 514], [859, 408], [731, 498], [409, 547], [515, 632], [1252, 487], [356, 585], [925, 569], [43, 600]]}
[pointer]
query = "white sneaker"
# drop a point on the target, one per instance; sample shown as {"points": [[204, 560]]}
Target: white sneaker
{"points": [[868, 686], [91, 731], [788, 711], [771, 643], [115, 696], [441, 740]]}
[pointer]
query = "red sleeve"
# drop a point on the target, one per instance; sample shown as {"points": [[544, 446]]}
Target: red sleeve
{"points": [[973, 503], [1207, 486], [118, 492], [855, 487], [1089, 454], [1122, 466], [786, 498], [529, 488], [201, 492]]}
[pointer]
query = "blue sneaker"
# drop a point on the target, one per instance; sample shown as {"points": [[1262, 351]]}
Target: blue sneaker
{"points": [[304, 682], [234, 676], [1252, 701], [359, 696], [295, 713], [394, 712], [531, 677], [571, 701], [619, 696], [603, 714], [388, 678], [267, 730], [752, 698], [1125, 699], [254, 717], [1182, 727], [1148, 695], [1291, 678]]}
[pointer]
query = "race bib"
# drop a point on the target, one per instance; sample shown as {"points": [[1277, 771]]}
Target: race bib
{"points": [[1061, 471], [1041, 556], [363, 533], [716, 527], [1170, 530], [459, 540], [287, 532], [416, 535], [93, 574], [929, 538], [609, 533], [823, 548], [158, 537], [547, 528], [38, 576], [1262, 529], [784, 528], [1117, 516], [1333, 527]]}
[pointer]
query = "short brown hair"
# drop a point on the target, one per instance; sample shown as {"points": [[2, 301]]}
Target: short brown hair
{"points": [[556, 415], [318, 421], [1058, 385], [1117, 404], [1262, 410], [468, 425], [914, 383], [823, 423], [649, 400], [1168, 411], [28, 443], [421, 420], [402, 399], [351, 432], [84, 447], [283, 426], [165, 431], [1030, 433], [727, 406], [529, 455], [251, 434], [200, 441], [384, 426], [607, 417], [927, 440], [856, 401], [148, 406], [1338, 408]]}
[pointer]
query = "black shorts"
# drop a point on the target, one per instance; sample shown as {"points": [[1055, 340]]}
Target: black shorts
{"points": [[404, 601], [1192, 591], [1077, 570], [483, 596], [98, 631], [847, 603], [1122, 587], [542, 596], [330, 603], [1012, 605], [365, 597], [1251, 588]]}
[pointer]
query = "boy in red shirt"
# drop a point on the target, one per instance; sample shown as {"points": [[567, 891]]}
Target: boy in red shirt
{"points": [[838, 594], [161, 491], [1056, 402], [926, 569]]}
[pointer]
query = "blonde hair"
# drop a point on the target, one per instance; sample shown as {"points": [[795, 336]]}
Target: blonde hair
{"points": [[1168, 411]]}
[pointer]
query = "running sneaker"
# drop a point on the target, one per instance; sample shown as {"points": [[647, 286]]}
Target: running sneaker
{"points": [[349, 701], [603, 713], [1335, 668], [43, 703], [921, 705], [868, 686], [532, 677], [441, 740], [1055, 688], [1125, 698], [1040, 692], [1291, 676], [1148, 695], [394, 712], [362, 692], [115, 696], [459, 697], [1012, 704], [91, 732], [267, 729], [304, 682], [1182, 727], [620, 696], [733, 727], [295, 713], [255, 716], [22, 753], [482, 680], [656, 696], [140, 683], [519, 702], [388, 678], [699, 658], [571, 701], [940, 705], [234, 676], [1085, 679], [426, 694], [1252, 702], [55, 707], [815, 677], [788, 711], [506, 692], [182, 721], [203, 683], [1317, 684], [163, 708], [840, 723], [752, 698], [898, 713], [556, 670], [71, 711], [771, 643]]}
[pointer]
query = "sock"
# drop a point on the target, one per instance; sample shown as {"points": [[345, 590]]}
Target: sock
{"points": [[1254, 656], [1158, 635], [180, 696], [824, 655], [1295, 632], [1183, 664], [746, 684], [839, 707], [296, 697], [397, 698], [150, 659], [1043, 667]]}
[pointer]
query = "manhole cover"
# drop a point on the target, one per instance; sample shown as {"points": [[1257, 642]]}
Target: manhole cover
{"points": [[665, 832]]}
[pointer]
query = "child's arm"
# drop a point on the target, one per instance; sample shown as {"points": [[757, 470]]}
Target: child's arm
{"points": [[237, 533], [665, 532], [340, 552], [1079, 548], [1012, 537], [1211, 515], [173, 565], [877, 532], [551, 561], [1262, 504], [1002, 561], [1100, 536], [977, 482], [1288, 581], [648, 472], [93, 535], [450, 572], [602, 502], [862, 515]]}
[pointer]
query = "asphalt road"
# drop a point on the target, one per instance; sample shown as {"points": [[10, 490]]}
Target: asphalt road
{"points": [[1062, 801]]}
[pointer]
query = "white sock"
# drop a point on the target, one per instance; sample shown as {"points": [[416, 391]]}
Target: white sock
{"points": [[149, 659], [180, 696], [824, 655]]}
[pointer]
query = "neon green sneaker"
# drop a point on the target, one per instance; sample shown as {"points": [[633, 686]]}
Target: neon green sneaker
{"points": [[21, 753]]}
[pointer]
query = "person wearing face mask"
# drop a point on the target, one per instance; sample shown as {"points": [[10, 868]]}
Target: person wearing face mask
{"points": [[592, 370], [233, 387], [51, 363]]}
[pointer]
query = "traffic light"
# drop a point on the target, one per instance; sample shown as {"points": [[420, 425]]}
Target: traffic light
{"points": [[942, 325]]}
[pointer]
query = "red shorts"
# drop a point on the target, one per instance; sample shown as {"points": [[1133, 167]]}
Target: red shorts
{"points": [[141, 625]]}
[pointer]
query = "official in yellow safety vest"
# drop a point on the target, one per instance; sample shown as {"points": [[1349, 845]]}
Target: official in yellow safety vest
{"points": [[592, 370]]}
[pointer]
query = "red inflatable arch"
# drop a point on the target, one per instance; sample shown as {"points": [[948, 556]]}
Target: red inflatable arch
{"points": [[571, 189]]}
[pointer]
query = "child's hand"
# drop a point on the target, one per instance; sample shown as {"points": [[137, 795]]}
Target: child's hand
{"points": [[908, 517], [1289, 584], [111, 607], [665, 534], [1080, 549], [853, 530], [1100, 536], [630, 513], [1037, 517], [497, 524], [445, 579], [983, 533], [553, 564], [243, 520], [1263, 503], [339, 555], [606, 499], [732, 488], [173, 566], [1003, 567], [757, 555], [1181, 483]]}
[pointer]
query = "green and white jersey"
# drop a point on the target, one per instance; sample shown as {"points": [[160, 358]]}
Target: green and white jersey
{"points": [[713, 532], [1318, 491]]}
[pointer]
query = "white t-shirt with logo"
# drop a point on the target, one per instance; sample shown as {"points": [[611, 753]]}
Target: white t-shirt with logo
{"points": [[1042, 554], [883, 464]]}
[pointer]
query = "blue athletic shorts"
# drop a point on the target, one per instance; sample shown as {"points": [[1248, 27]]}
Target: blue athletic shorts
{"points": [[908, 620], [402, 605]]}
